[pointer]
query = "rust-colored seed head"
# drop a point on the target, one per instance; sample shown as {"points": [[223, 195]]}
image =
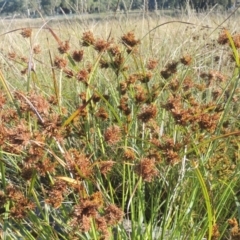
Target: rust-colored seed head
{"points": [[146, 169], [223, 38], [96, 98], [56, 194], [165, 73], [172, 66], [132, 79], [145, 78], [64, 47], [69, 73], [60, 62], [118, 61], [114, 50], [24, 59], [21, 205], [102, 226], [123, 87], [78, 163], [26, 32], [148, 112], [129, 39], [113, 214], [129, 154], [186, 60], [152, 64], [101, 45], [24, 71], [36, 49], [106, 166], [235, 231], [154, 154], [215, 232], [77, 55], [142, 77], [88, 39], [124, 105], [83, 97], [141, 94], [87, 210], [102, 113], [112, 135], [104, 64], [82, 75], [236, 40]]}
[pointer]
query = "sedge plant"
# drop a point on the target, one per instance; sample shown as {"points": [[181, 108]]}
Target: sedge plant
{"points": [[127, 137]]}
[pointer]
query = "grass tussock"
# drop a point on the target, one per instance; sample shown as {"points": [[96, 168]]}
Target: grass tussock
{"points": [[120, 136]]}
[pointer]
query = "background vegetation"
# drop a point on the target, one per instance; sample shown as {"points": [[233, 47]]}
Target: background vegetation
{"points": [[52, 7]]}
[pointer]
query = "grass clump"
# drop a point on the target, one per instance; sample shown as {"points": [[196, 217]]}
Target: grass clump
{"points": [[109, 139]]}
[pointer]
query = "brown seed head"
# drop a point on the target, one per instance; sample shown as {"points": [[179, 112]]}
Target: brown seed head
{"points": [[124, 105], [129, 39], [36, 49], [141, 94], [56, 193], [215, 232], [24, 71], [101, 45], [20, 204], [132, 79], [165, 73], [69, 73], [129, 154], [103, 228], [143, 77], [83, 97], [223, 38], [106, 166], [236, 40], [235, 231], [82, 75], [77, 55], [24, 59], [152, 64], [123, 87], [88, 39], [112, 135], [154, 154], [146, 169], [26, 32], [118, 61], [114, 50], [60, 63], [186, 60], [64, 47], [148, 112], [102, 113], [104, 64], [113, 215], [79, 164], [86, 210], [96, 97], [172, 66]]}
